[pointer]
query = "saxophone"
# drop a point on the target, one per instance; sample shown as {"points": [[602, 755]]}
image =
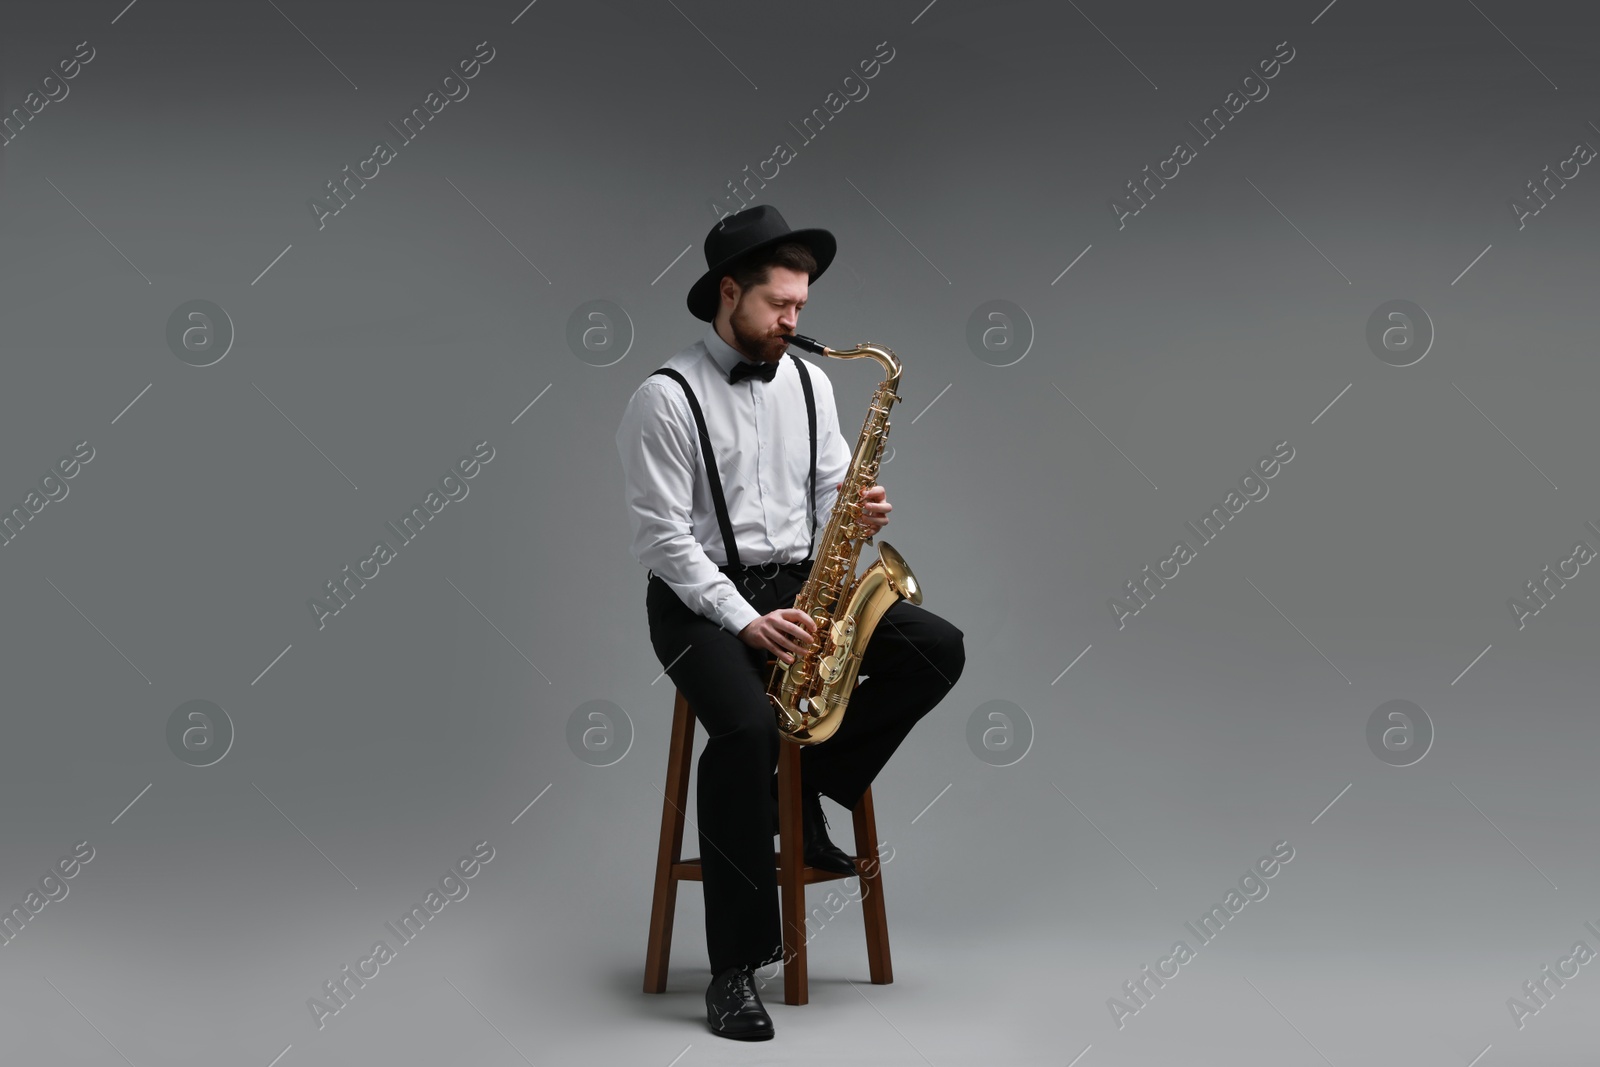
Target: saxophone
{"points": [[809, 694]]}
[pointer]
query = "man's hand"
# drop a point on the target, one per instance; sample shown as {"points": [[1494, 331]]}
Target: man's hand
{"points": [[782, 631], [875, 507]]}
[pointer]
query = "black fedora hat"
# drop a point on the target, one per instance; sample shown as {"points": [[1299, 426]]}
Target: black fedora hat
{"points": [[742, 233]]}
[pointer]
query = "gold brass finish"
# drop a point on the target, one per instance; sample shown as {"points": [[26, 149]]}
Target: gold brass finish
{"points": [[809, 695]]}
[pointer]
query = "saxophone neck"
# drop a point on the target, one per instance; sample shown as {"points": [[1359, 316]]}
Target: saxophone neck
{"points": [[886, 358], [864, 350]]}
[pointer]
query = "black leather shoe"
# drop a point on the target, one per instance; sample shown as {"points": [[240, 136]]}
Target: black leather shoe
{"points": [[733, 1007], [819, 851]]}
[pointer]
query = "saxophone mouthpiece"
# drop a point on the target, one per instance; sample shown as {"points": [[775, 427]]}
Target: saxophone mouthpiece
{"points": [[801, 341]]}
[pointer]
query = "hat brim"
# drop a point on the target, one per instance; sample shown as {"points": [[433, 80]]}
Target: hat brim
{"points": [[704, 295]]}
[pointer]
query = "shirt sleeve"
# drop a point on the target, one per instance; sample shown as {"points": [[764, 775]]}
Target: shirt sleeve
{"points": [[833, 454], [655, 442]]}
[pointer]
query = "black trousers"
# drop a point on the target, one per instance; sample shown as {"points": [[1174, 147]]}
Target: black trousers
{"points": [[911, 661]]}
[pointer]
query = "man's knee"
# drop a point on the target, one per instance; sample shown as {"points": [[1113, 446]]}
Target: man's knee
{"points": [[949, 652]]}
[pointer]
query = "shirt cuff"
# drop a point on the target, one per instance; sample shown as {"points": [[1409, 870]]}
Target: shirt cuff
{"points": [[738, 614]]}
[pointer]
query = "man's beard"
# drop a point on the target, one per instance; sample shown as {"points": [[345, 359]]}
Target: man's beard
{"points": [[762, 347]]}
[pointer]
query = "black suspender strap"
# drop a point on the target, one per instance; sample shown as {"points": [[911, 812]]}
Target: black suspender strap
{"points": [[712, 478], [718, 501], [811, 421]]}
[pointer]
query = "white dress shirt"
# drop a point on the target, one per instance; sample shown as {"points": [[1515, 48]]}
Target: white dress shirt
{"points": [[762, 451]]}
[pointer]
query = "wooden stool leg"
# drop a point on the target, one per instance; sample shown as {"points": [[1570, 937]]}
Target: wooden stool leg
{"points": [[792, 874], [874, 917], [790, 861], [664, 904]]}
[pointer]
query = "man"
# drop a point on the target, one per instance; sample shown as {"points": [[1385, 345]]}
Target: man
{"points": [[726, 502]]}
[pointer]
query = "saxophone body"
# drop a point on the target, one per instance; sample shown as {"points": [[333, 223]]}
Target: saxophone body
{"points": [[810, 694]]}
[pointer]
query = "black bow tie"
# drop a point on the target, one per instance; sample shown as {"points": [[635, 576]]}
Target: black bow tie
{"points": [[747, 369]]}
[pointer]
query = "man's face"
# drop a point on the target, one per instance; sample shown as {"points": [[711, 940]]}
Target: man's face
{"points": [[766, 312]]}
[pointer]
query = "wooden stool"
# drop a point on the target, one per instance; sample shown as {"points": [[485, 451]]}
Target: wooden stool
{"points": [[793, 874]]}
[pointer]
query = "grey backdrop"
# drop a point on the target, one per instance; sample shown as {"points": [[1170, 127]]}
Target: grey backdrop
{"points": [[1053, 829]]}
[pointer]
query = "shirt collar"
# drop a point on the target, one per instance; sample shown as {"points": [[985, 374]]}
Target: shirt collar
{"points": [[723, 354]]}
